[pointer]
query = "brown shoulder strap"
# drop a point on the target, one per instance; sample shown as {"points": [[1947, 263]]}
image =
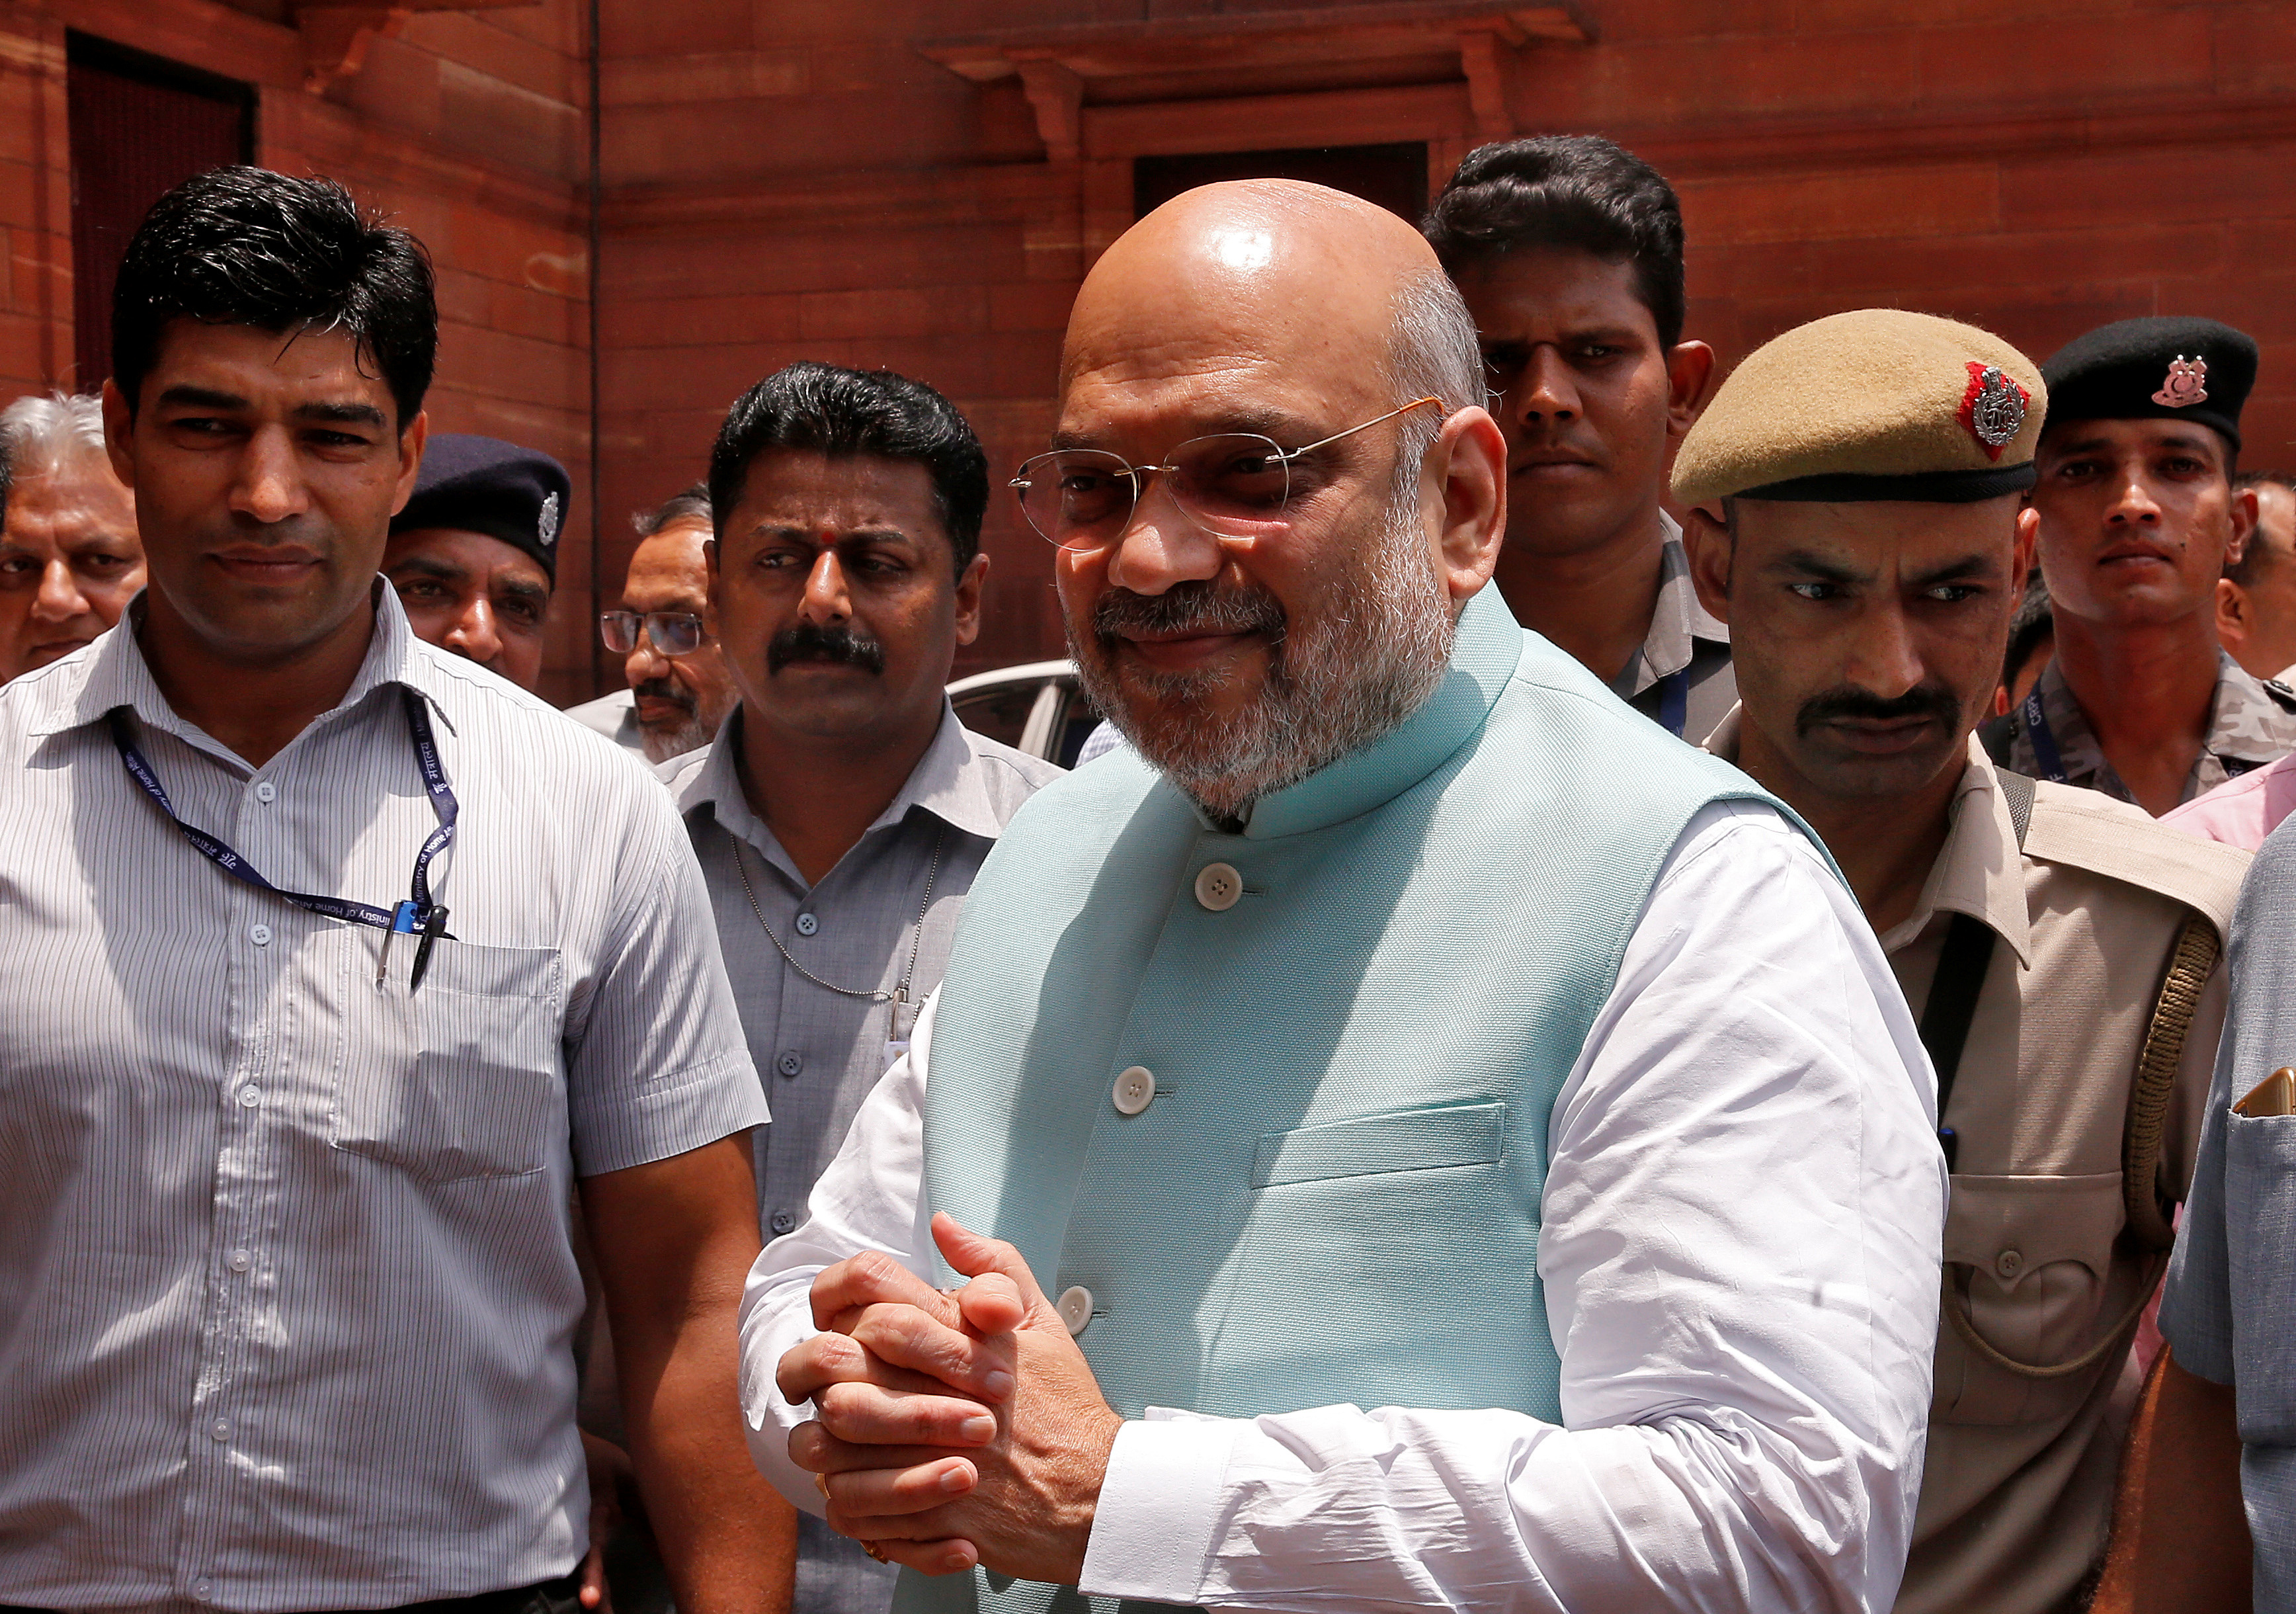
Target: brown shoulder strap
{"points": [[2190, 962]]}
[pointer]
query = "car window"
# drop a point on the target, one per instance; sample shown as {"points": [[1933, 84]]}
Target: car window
{"points": [[1002, 712]]}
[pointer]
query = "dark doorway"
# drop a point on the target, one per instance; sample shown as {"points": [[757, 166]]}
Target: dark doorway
{"points": [[1395, 177], [140, 126]]}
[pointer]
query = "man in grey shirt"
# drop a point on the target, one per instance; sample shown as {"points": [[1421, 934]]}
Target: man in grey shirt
{"points": [[842, 811], [2229, 1309]]}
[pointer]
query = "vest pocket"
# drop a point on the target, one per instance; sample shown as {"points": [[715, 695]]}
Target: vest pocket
{"points": [[1399, 1141], [459, 1079]]}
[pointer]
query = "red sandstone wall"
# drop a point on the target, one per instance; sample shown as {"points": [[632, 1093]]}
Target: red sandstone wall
{"points": [[470, 128], [791, 179]]}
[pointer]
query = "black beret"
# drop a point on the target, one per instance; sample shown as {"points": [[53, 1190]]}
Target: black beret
{"points": [[483, 485], [2171, 368]]}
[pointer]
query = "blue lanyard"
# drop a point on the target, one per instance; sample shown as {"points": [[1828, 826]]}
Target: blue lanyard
{"points": [[1674, 701], [2044, 740], [419, 913]]}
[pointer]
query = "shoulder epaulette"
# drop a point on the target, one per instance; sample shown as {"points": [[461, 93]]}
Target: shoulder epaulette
{"points": [[2093, 832]]}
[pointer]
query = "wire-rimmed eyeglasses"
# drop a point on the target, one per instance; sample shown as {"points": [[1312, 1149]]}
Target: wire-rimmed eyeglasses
{"points": [[1232, 484], [673, 633]]}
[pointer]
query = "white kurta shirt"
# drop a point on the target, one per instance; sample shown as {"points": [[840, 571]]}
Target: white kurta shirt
{"points": [[1740, 1246]]}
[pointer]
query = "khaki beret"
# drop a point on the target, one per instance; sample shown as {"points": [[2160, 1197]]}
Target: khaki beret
{"points": [[1881, 404]]}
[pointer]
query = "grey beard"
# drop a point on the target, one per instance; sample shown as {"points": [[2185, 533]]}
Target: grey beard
{"points": [[659, 747], [1367, 662]]}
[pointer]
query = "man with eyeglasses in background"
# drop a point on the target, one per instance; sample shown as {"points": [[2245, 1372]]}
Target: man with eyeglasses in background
{"points": [[678, 690], [1415, 1246], [842, 811]]}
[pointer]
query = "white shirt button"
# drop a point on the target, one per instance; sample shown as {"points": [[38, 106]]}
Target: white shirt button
{"points": [[250, 1096], [807, 924], [1074, 1307], [1135, 1090], [260, 935], [264, 791], [203, 1588], [1217, 886], [220, 1429], [240, 1260]]}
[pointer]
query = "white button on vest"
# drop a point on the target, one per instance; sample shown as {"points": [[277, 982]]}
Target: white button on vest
{"points": [[1074, 1307], [1217, 886], [1135, 1090]]}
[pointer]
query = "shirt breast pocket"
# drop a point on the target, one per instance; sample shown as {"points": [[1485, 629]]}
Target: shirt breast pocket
{"points": [[2260, 1211], [461, 1080], [2030, 1266]]}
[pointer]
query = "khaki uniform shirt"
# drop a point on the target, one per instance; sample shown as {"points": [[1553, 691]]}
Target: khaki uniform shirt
{"points": [[2017, 1491], [2252, 723]]}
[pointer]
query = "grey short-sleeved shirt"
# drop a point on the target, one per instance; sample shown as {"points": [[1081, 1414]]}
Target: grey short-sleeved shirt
{"points": [[290, 1294], [2229, 1312], [867, 925]]}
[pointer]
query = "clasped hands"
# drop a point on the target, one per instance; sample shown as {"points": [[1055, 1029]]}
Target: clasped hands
{"points": [[951, 1429]]}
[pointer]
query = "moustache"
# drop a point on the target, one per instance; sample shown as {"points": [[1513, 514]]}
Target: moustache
{"points": [[1932, 701], [836, 644], [664, 689], [1191, 607]]}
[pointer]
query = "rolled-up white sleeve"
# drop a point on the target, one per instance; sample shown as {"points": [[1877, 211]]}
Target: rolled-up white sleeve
{"points": [[871, 1197], [1740, 1249]]}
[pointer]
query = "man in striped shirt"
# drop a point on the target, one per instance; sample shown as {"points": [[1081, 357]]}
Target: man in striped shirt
{"points": [[290, 1130]]}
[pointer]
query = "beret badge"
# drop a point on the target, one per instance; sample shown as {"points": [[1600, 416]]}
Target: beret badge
{"points": [[2187, 383], [1993, 408], [545, 525]]}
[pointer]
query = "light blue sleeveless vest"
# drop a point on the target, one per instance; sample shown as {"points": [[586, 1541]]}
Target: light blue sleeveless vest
{"points": [[1335, 1193]]}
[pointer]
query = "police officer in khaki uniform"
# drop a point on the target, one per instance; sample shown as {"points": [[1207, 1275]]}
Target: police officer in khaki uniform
{"points": [[1856, 517], [2139, 517]]}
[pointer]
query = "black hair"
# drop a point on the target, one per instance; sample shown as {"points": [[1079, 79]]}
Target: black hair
{"points": [[691, 504], [1566, 191], [243, 246], [2252, 561], [2034, 620], [827, 409]]}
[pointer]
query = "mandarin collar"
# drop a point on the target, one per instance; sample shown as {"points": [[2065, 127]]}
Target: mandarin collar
{"points": [[1485, 651]]}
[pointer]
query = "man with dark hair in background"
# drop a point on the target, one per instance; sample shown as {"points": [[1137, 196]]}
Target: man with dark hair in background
{"points": [[2139, 517], [474, 552], [1568, 253], [678, 689], [2256, 597], [290, 1154], [842, 811]]}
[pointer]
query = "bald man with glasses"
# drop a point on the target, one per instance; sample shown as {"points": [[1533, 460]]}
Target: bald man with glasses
{"points": [[1362, 1156]]}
